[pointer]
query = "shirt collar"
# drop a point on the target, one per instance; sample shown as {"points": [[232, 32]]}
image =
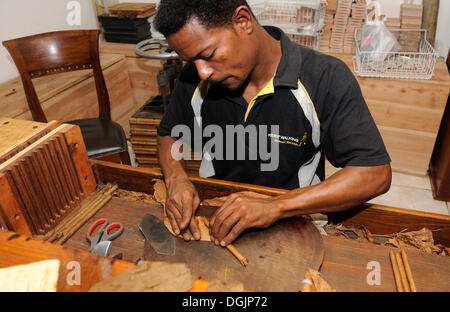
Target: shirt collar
{"points": [[288, 68]]}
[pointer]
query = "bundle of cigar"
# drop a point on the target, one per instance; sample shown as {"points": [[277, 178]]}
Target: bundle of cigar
{"points": [[63, 231], [402, 272]]}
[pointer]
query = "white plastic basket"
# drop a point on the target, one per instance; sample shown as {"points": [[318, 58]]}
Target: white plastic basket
{"points": [[411, 62], [309, 41], [302, 17]]}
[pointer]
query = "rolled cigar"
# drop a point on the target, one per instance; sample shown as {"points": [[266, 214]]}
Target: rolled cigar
{"points": [[398, 282], [232, 249], [69, 232], [402, 271], [412, 285], [237, 254], [51, 235]]}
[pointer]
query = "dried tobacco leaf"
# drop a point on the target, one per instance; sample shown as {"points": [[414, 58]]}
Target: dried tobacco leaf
{"points": [[318, 283], [160, 192], [135, 196], [219, 201]]}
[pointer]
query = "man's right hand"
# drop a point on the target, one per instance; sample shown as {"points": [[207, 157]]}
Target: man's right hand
{"points": [[181, 204]]}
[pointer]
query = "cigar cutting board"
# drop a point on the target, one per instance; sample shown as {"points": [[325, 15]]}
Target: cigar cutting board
{"points": [[278, 256], [132, 10]]}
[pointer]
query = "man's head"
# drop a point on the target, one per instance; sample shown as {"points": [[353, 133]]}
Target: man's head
{"points": [[218, 36], [172, 15]]}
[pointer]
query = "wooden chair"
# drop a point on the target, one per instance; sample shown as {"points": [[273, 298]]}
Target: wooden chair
{"points": [[63, 51]]}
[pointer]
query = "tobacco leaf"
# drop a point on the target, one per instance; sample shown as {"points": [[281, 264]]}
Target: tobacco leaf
{"points": [[318, 283], [380, 239], [219, 286], [421, 240], [149, 277], [202, 226], [135, 196], [219, 201], [160, 192]]}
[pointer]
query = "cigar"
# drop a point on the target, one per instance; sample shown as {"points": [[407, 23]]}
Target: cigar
{"points": [[237, 254], [402, 271], [398, 282], [232, 249], [412, 285]]}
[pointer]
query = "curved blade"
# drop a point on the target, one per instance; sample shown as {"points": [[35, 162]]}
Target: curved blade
{"points": [[102, 248], [157, 235]]}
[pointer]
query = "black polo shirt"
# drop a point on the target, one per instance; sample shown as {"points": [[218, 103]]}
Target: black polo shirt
{"points": [[316, 103]]}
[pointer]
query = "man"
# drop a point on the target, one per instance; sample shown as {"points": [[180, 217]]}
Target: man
{"points": [[239, 73]]}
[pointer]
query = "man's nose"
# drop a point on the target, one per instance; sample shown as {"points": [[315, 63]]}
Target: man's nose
{"points": [[204, 70]]}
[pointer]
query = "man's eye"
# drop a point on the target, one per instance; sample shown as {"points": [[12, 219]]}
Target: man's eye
{"points": [[210, 56]]}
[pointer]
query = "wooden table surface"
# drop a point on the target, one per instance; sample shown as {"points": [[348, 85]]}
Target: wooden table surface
{"points": [[345, 264]]}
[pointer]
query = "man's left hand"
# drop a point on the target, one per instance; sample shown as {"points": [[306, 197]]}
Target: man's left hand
{"points": [[240, 212]]}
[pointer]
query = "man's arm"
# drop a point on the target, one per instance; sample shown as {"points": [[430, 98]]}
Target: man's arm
{"points": [[345, 189], [182, 198]]}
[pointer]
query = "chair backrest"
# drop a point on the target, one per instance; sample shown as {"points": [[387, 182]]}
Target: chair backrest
{"points": [[56, 52]]}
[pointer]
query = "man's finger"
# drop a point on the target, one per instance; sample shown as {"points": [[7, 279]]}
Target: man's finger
{"points": [[230, 199], [174, 208], [224, 222], [194, 228], [173, 222], [187, 235], [223, 228], [233, 234], [186, 212]]}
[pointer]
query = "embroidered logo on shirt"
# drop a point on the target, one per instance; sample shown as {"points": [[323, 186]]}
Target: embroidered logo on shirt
{"points": [[289, 140]]}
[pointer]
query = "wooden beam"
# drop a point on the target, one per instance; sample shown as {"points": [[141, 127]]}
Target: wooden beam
{"points": [[429, 18]]}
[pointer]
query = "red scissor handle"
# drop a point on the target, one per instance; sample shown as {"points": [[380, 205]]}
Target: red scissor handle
{"points": [[96, 223], [107, 236]]}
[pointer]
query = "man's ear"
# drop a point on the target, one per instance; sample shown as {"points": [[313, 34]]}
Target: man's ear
{"points": [[243, 20]]}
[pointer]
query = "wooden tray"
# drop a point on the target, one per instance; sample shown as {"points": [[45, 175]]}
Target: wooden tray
{"points": [[275, 255], [132, 10]]}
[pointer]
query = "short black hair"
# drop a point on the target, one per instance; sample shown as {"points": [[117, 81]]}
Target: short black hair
{"points": [[172, 15]]}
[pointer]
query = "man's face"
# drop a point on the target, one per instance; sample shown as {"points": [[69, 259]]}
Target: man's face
{"points": [[222, 55]]}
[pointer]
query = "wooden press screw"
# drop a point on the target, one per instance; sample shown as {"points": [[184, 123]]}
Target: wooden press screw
{"points": [[73, 147]]}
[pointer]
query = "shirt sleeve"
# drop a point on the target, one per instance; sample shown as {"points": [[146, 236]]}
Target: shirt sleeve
{"points": [[349, 134], [179, 111]]}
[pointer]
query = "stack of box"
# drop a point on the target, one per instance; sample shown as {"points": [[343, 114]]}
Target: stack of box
{"points": [[328, 27], [392, 23], [410, 18], [343, 10], [341, 19], [144, 137], [358, 15]]}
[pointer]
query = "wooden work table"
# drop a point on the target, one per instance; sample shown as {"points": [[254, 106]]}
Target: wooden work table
{"points": [[344, 263]]}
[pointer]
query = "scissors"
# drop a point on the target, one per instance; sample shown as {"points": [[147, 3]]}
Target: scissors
{"points": [[101, 243]]}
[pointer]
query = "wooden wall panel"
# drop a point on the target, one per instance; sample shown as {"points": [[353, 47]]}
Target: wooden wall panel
{"points": [[410, 150], [408, 113], [143, 72], [403, 116]]}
